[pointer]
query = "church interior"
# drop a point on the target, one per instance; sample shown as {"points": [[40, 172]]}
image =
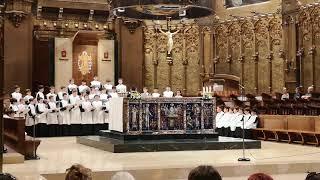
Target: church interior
{"points": [[160, 89]]}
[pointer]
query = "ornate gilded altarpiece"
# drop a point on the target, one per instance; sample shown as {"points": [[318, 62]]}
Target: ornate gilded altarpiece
{"points": [[249, 48], [183, 72], [307, 22]]}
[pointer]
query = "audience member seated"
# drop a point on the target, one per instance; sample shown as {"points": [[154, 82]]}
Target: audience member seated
{"points": [[204, 173], [260, 176], [285, 94], [145, 93], [179, 94], [168, 93], [297, 94], [122, 176], [309, 93], [78, 172], [155, 93], [313, 176]]}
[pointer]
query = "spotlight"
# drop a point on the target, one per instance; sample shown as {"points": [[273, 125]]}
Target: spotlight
{"points": [[121, 10], [85, 25], [105, 27], [76, 25], [97, 27], [182, 13], [66, 24], [45, 23], [54, 24]]}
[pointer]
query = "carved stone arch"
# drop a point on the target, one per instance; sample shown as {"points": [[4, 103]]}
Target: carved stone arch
{"points": [[261, 29], [247, 30], [221, 42], [192, 40], [275, 31], [206, 29]]}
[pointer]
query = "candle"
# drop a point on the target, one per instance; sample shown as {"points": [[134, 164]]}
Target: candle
{"points": [[210, 90]]}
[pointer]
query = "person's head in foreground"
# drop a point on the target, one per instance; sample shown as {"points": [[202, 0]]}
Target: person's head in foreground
{"points": [[260, 176], [122, 176], [78, 172], [313, 176], [204, 173]]}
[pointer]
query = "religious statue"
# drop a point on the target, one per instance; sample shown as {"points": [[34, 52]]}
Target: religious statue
{"points": [[84, 63], [134, 118], [147, 116], [169, 35]]}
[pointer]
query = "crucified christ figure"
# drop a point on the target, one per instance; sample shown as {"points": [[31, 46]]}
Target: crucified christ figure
{"points": [[170, 39]]}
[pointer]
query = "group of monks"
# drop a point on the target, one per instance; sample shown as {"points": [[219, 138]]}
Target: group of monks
{"points": [[231, 121]]}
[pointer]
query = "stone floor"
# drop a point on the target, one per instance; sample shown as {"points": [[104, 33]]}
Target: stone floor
{"points": [[283, 161]]}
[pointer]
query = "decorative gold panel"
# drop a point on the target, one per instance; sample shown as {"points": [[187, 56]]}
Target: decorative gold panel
{"points": [[183, 73]]}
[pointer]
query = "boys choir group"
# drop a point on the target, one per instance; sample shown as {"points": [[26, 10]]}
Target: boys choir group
{"points": [[231, 121], [73, 109], [83, 109]]}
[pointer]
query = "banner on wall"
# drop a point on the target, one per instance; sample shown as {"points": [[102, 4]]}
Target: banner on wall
{"points": [[106, 66], [63, 61]]}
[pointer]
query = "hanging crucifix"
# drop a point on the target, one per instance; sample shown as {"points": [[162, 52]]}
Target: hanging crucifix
{"points": [[169, 35]]}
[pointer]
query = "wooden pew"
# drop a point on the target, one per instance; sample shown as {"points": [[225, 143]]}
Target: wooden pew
{"points": [[14, 137], [288, 128]]}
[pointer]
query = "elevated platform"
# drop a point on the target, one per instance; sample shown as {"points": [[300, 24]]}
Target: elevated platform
{"points": [[117, 143], [158, 136]]}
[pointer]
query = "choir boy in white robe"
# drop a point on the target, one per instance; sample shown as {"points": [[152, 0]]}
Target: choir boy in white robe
{"points": [[30, 120], [64, 119], [98, 114], [75, 113], [179, 94], [22, 108], [108, 86], [52, 93], [113, 93], [86, 116], [226, 120], [16, 94], [121, 88], [41, 118], [40, 94], [72, 86], [156, 93], [239, 124], [28, 96], [14, 107], [250, 124], [232, 122], [168, 93], [145, 93], [83, 87], [93, 93], [52, 117], [219, 122], [95, 83], [63, 90], [104, 97]]}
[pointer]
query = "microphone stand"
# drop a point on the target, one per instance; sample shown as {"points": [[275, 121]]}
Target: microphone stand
{"points": [[243, 158]]}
